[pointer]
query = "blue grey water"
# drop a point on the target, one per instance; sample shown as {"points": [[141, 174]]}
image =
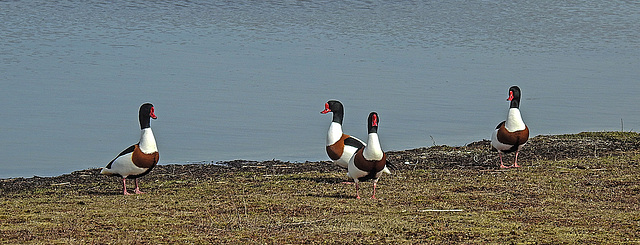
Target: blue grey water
{"points": [[248, 79]]}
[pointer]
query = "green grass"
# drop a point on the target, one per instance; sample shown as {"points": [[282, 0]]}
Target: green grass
{"points": [[592, 200]]}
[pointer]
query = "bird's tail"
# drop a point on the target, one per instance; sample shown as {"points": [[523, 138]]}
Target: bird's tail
{"points": [[389, 165], [106, 171]]}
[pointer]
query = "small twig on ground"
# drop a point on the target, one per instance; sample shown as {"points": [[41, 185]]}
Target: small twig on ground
{"points": [[494, 170], [433, 140], [303, 222], [441, 210], [59, 184]]}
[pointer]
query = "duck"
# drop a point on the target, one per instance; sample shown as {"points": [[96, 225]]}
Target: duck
{"points": [[139, 159], [369, 161], [340, 147], [510, 135]]}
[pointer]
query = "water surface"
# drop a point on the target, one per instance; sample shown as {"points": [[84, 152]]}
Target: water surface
{"points": [[247, 79]]}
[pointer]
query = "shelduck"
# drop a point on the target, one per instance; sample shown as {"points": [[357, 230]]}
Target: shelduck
{"points": [[137, 160], [369, 162], [340, 146], [512, 134]]}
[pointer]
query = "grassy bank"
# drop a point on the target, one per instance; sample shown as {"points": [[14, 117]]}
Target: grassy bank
{"points": [[582, 188]]}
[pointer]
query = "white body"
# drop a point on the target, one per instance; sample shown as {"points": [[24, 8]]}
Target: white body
{"points": [[123, 165], [498, 145], [334, 134], [513, 123], [372, 152], [354, 172]]}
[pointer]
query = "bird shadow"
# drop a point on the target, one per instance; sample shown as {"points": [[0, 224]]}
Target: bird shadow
{"points": [[102, 193], [323, 180], [334, 195], [331, 181]]}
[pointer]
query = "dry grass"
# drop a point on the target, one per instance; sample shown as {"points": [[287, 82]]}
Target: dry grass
{"points": [[581, 200]]}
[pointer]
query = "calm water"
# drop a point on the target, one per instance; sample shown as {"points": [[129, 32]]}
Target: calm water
{"points": [[247, 79]]}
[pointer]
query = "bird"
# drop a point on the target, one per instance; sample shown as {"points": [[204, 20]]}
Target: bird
{"points": [[138, 159], [369, 162], [510, 135], [340, 146]]}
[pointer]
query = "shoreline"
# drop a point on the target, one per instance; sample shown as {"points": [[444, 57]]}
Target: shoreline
{"points": [[478, 155]]}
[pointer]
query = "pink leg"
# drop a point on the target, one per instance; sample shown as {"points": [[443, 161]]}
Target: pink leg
{"points": [[357, 190], [374, 191], [515, 162], [124, 187], [137, 190], [501, 164]]}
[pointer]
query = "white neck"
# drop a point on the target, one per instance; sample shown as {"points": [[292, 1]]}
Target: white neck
{"points": [[373, 151], [514, 120], [147, 141], [334, 134]]}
